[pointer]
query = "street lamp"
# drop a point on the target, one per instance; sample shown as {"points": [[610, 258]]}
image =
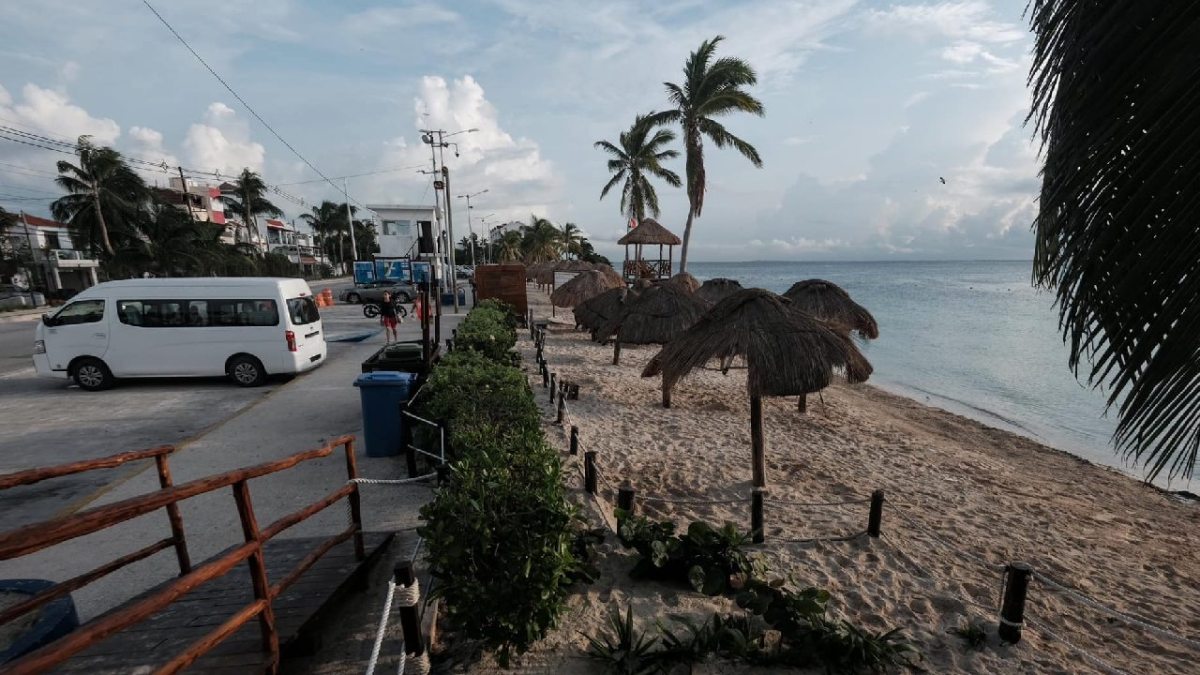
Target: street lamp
{"points": [[436, 149], [470, 227]]}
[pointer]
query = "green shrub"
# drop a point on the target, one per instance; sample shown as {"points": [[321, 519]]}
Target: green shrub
{"points": [[499, 538], [487, 330], [709, 559], [467, 389]]}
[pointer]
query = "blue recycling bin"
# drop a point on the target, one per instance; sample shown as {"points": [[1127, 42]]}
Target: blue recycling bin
{"points": [[382, 393], [448, 297]]}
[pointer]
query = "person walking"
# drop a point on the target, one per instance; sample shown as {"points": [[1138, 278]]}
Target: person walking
{"points": [[388, 318]]}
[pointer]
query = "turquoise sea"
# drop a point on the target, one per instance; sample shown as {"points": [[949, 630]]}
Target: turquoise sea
{"points": [[974, 338]]}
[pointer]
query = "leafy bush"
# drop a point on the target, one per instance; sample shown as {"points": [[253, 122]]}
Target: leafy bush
{"points": [[709, 559], [486, 329], [499, 538], [468, 389], [625, 650]]}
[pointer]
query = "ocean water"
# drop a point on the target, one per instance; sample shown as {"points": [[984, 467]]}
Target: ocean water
{"points": [[974, 338]]}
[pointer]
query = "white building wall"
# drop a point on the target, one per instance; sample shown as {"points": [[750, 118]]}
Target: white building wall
{"points": [[397, 231]]}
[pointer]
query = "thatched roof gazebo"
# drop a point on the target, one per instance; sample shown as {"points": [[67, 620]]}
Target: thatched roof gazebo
{"points": [[829, 302], [596, 311], [584, 286], [786, 352], [716, 290], [656, 316], [649, 232]]}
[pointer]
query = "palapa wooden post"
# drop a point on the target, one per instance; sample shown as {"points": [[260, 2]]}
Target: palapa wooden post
{"points": [[876, 516], [173, 515], [625, 498], [410, 620], [1012, 611], [553, 385], [574, 440], [756, 515], [666, 398], [617, 350], [756, 442], [802, 404], [589, 471]]}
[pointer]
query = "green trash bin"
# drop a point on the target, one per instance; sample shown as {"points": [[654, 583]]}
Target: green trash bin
{"points": [[382, 393]]}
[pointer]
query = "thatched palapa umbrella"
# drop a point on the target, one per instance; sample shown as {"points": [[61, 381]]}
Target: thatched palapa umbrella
{"points": [[786, 352], [594, 313], [716, 290], [829, 302], [609, 272], [656, 316], [584, 286], [684, 282]]}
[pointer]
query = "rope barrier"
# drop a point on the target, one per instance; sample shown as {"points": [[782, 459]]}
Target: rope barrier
{"points": [[693, 502], [392, 481], [1128, 618], [811, 540], [782, 502], [1096, 661], [383, 624]]}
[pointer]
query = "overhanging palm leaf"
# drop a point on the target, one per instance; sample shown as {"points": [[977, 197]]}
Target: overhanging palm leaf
{"points": [[710, 89], [103, 198], [639, 156], [1116, 105]]}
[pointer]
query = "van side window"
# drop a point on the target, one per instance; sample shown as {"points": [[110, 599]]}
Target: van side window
{"points": [[197, 313], [303, 311], [84, 311]]}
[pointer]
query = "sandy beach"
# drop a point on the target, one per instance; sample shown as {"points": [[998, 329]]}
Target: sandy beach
{"points": [[962, 500]]}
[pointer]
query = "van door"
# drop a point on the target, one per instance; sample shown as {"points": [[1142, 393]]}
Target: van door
{"points": [[78, 329]]}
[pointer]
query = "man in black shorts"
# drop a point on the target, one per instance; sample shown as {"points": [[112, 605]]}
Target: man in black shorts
{"points": [[388, 318]]}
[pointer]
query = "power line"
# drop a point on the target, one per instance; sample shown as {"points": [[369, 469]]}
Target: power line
{"points": [[356, 175], [244, 103]]}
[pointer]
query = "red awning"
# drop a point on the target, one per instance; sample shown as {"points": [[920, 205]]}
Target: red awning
{"points": [[307, 260]]}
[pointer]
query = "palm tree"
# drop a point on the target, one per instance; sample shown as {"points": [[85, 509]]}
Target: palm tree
{"points": [[1116, 229], [710, 89], [572, 239], [636, 159], [176, 244], [327, 221], [248, 198], [541, 240], [508, 249], [104, 196]]}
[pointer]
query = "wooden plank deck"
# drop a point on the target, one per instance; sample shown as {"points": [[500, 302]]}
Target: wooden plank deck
{"points": [[143, 647]]}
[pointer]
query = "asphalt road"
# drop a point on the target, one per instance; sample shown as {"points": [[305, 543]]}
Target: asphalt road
{"points": [[16, 346]]}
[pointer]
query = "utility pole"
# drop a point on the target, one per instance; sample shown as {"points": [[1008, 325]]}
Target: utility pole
{"points": [[470, 226], [450, 238], [187, 204], [434, 280], [29, 244], [350, 224]]}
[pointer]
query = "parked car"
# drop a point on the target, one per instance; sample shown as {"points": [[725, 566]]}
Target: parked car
{"points": [[401, 291]]}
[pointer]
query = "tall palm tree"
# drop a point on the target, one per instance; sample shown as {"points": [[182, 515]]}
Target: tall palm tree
{"points": [[572, 239], [328, 222], [541, 240], [710, 89], [104, 197], [508, 249], [637, 157], [1116, 230], [249, 198]]}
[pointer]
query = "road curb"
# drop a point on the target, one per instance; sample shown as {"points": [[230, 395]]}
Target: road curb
{"points": [[23, 315]]}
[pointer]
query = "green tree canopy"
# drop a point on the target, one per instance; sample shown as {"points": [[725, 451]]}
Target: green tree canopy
{"points": [[635, 158]]}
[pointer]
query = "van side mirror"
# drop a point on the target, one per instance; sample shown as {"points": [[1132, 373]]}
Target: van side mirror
{"points": [[47, 319]]}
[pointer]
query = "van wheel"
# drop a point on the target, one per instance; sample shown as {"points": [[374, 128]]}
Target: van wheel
{"points": [[247, 371], [92, 375]]}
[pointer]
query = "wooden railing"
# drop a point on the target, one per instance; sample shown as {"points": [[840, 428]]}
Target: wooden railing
{"points": [[647, 269], [32, 538]]}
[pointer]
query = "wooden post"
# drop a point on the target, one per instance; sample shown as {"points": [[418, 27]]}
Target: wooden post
{"points": [[756, 442], [443, 474], [756, 515], [625, 497], [360, 552], [617, 350], [545, 376], [562, 407], [410, 620], [573, 391], [173, 515], [876, 516], [538, 356], [802, 404], [258, 572], [574, 440], [553, 385], [666, 395], [1012, 611], [589, 471]]}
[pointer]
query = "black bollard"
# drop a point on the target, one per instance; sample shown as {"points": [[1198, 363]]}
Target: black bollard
{"points": [[410, 620], [1012, 611], [574, 440], [876, 516], [589, 471], [625, 498], [756, 516]]}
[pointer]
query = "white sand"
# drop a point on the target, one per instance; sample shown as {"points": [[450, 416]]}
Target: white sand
{"points": [[988, 493]]}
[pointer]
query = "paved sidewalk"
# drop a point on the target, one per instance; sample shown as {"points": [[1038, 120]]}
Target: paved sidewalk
{"points": [[300, 415]]}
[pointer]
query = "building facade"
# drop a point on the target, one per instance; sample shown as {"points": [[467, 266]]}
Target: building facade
{"points": [[400, 228], [58, 266]]}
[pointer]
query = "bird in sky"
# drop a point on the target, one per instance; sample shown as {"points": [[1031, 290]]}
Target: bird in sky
{"points": [[942, 179]]}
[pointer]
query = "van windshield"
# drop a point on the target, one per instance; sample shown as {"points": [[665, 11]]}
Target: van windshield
{"points": [[303, 311]]}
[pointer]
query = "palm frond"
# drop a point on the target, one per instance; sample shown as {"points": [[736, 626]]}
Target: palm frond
{"points": [[613, 181], [721, 137]]}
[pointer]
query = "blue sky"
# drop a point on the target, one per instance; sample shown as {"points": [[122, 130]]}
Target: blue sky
{"points": [[868, 105]]}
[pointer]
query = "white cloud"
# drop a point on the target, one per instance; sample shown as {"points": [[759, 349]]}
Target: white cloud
{"points": [[969, 20], [391, 19], [147, 143], [797, 140], [222, 143], [798, 245], [51, 113], [69, 71]]}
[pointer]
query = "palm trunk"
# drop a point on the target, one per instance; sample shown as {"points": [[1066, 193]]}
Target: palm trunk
{"points": [[687, 237], [104, 241]]}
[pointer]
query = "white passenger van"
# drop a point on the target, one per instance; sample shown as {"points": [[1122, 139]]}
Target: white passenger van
{"points": [[246, 328]]}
